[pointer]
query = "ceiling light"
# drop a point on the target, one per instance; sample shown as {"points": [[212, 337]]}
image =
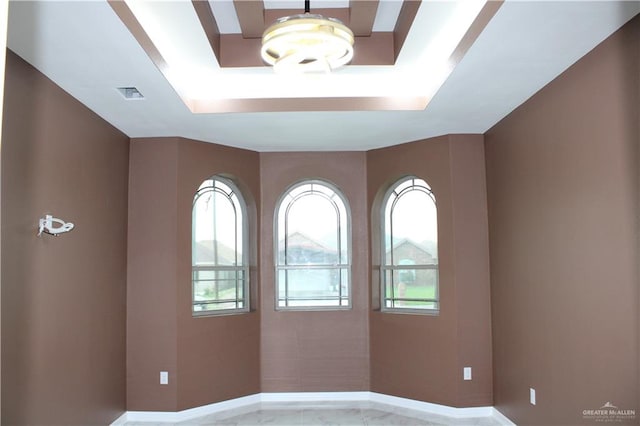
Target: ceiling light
{"points": [[307, 43]]}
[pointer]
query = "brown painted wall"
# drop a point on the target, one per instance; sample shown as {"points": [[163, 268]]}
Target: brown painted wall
{"points": [[209, 359], [218, 357], [562, 178], [321, 350], [152, 274], [471, 270], [63, 299], [4, 21], [420, 356]]}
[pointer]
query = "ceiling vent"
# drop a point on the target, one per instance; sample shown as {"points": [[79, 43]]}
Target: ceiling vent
{"points": [[130, 93]]}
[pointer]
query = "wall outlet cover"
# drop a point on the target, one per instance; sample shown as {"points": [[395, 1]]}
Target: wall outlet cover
{"points": [[466, 373]]}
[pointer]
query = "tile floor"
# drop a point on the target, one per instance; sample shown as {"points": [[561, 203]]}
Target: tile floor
{"points": [[325, 414]]}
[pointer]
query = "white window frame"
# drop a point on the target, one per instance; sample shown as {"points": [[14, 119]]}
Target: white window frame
{"points": [[394, 196], [241, 268], [283, 302]]}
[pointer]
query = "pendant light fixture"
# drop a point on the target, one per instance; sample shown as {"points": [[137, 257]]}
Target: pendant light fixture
{"points": [[307, 43]]}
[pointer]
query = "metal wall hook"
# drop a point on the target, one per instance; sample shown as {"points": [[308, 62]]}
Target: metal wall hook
{"points": [[46, 226]]}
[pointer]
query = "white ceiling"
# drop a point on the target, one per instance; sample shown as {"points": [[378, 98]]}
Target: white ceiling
{"points": [[228, 23], [87, 50]]}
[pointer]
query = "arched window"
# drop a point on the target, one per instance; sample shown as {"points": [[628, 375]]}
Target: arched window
{"points": [[220, 272], [312, 248], [409, 272]]}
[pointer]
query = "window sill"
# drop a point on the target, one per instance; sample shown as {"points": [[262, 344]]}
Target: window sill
{"points": [[312, 308], [209, 314], [408, 311]]}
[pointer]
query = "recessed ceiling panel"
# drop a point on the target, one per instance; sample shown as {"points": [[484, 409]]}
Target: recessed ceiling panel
{"points": [[226, 17], [438, 27], [387, 15]]}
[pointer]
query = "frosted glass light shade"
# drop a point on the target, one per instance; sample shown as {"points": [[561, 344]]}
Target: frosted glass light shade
{"points": [[307, 43]]}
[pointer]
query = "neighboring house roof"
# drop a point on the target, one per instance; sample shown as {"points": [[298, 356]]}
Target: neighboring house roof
{"points": [[423, 247], [203, 253], [300, 240]]}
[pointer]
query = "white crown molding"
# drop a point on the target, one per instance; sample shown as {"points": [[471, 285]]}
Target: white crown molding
{"points": [[248, 401]]}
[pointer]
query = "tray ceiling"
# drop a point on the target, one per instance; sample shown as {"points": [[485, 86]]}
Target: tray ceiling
{"points": [[423, 68]]}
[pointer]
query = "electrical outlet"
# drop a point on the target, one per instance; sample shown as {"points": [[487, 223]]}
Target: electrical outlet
{"points": [[466, 373], [164, 377], [532, 396]]}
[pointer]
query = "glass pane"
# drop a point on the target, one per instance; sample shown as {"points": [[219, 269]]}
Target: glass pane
{"points": [[414, 222], [240, 288], [313, 287], [299, 190], [411, 288], [423, 305], [224, 187], [216, 306], [344, 241], [388, 254], [206, 184], [239, 237], [415, 230], [312, 231], [390, 286], [345, 286], [323, 189], [404, 185], [217, 275], [281, 233], [218, 293], [214, 290], [282, 287], [312, 284], [218, 286], [217, 230]]}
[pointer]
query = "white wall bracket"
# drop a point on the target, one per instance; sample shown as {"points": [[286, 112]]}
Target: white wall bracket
{"points": [[47, 226]]}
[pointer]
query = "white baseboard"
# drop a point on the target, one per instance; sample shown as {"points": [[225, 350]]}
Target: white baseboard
{"points": [[314, 396], [506, 421], [429, 407], [247, 401], [180, 416], [120, 420]]}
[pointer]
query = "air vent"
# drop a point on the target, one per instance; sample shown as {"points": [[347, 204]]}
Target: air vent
{"points": [[130, 93]]}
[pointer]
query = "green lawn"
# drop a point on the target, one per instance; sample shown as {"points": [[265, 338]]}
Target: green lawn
{"points": [[415, 292]]}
